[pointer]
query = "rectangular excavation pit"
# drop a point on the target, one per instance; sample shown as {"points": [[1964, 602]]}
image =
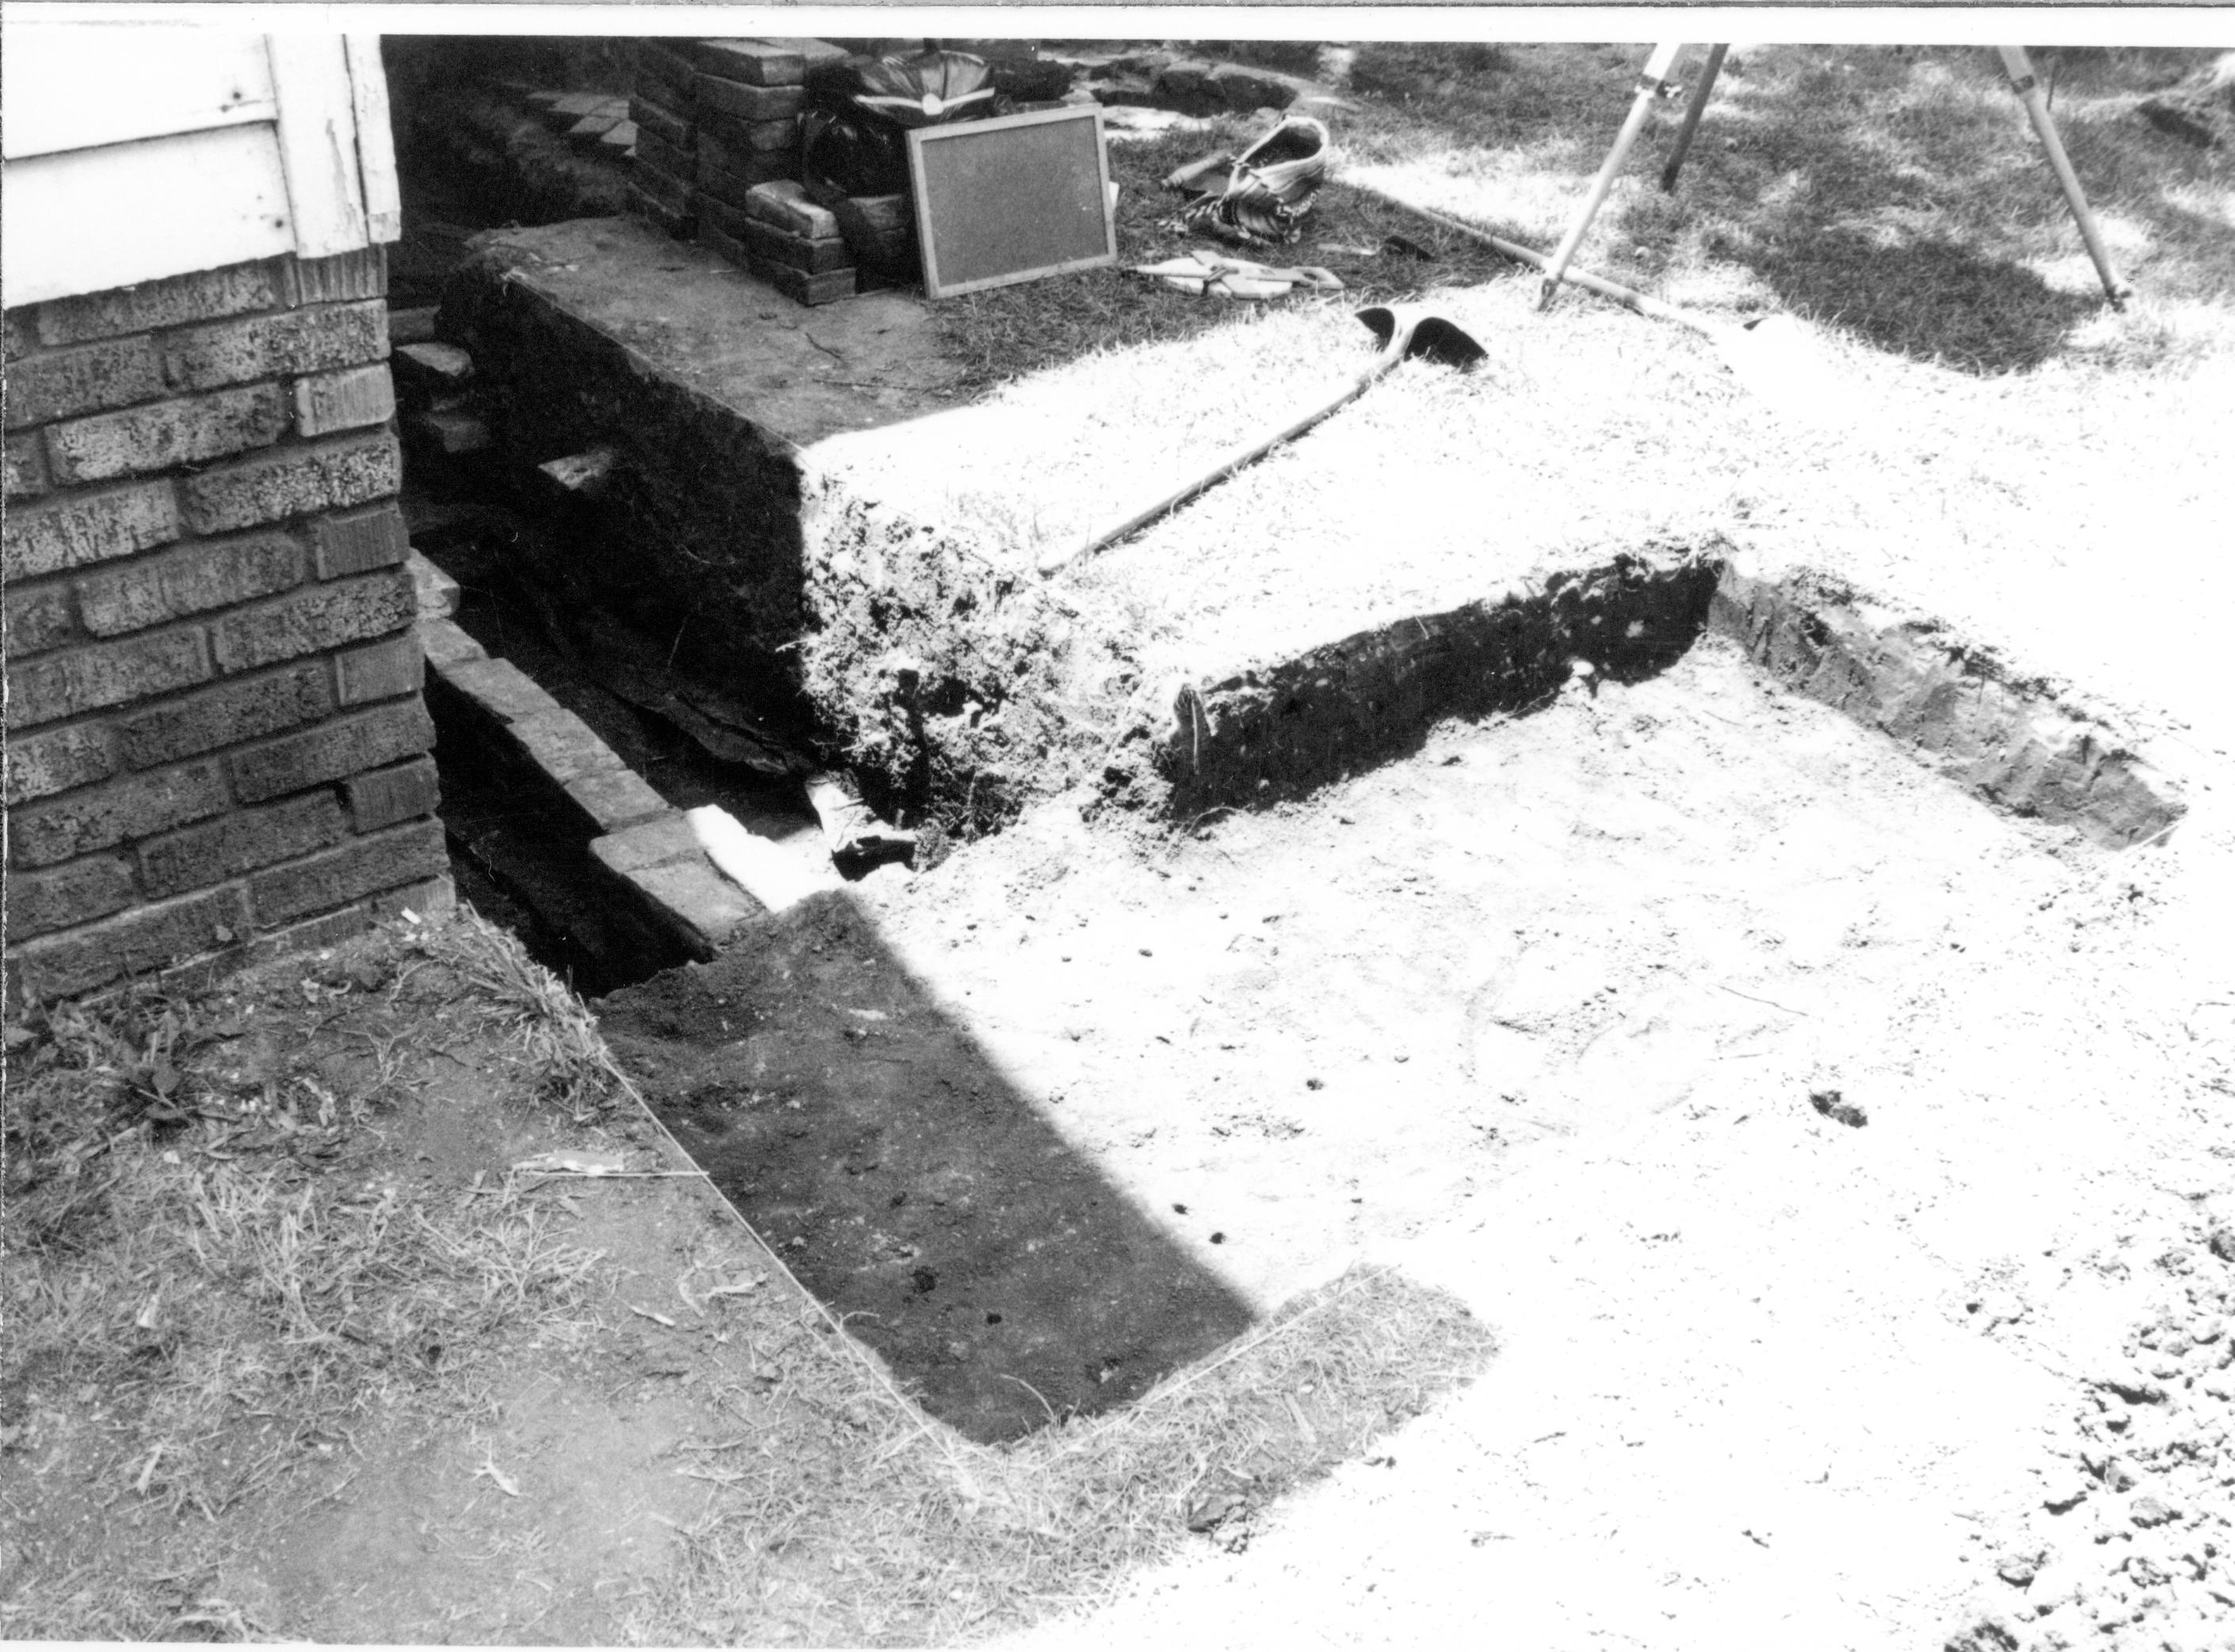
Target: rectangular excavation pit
{"points": [[1037, 1173], [1065, 1114], [1474, 911], [1275, 733]]}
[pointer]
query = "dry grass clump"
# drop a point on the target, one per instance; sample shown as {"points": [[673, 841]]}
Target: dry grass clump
{"points": [[559, 1047], [216, 1282], [929, 1537], [199, 1302]]}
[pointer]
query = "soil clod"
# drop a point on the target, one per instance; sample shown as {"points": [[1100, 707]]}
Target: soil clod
{"points": [[1839, 1111]]}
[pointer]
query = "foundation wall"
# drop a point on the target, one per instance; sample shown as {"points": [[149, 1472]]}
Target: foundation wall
{"points": [[699, 527], [653, 900], [215, 731]]}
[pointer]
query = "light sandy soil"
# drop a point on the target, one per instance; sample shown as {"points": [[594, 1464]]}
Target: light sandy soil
{"points": [[1538, 1015]]}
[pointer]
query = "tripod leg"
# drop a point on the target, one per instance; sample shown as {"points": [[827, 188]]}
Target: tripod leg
{"points": [[2019, 66], [1692, 113], [1649, 85]]}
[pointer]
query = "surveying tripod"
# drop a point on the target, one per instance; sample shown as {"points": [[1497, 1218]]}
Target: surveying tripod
{"points": [[1653, 85]]}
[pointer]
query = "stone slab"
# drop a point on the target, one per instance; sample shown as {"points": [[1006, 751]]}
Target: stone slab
{"points": [[659, 865], [695, 319]]}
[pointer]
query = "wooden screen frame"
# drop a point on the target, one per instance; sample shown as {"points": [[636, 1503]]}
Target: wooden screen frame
{"points": [[923, 138]]}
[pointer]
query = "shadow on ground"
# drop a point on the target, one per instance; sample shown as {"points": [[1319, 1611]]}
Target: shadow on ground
{"points": [[908, 1183], [1896, 195], [1930, 299]]}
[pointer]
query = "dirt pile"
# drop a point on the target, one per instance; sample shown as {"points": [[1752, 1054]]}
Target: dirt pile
{"points": [[2132, 1533], [958, 690]]}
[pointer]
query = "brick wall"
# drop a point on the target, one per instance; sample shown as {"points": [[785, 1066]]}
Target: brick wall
{"points": [[216, 743]]}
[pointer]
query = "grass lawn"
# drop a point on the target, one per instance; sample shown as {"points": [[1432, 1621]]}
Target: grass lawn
{"points": [[1894, 194]]}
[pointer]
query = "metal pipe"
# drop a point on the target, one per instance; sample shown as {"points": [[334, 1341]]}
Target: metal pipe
{"points": [[1650, 84], [2019, 66], [1692, 111]]}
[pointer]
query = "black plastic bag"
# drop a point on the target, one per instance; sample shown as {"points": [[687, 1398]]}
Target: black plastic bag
{"points": [[854, 138]]}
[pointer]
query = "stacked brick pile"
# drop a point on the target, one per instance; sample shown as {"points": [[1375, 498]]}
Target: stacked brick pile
{"points": [[716, 120], [789, 241], [751, 95], [214, 723], [664, 180]]}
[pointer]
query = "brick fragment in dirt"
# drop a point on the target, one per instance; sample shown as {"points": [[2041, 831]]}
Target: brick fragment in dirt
{"points": [[907, 1182]]}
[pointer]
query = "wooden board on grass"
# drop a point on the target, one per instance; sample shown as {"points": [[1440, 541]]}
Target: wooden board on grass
{"points": [[1011, 198]]}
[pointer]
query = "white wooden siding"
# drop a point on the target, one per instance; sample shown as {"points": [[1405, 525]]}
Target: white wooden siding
{"points": [[80, 222], [75, 88], [133, 152]]}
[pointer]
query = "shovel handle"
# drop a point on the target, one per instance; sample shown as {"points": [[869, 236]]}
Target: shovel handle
{"points": [[1628, 297], [1061, 557]]}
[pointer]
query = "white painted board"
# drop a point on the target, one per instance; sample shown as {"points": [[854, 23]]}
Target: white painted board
{"points": [[318, 143], [82, 86], [93, 219], [135, 151], [376, 142]]}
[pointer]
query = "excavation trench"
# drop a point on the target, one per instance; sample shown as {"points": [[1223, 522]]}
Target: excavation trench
{"points": [[1062, 1115], [1296, 903]]}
